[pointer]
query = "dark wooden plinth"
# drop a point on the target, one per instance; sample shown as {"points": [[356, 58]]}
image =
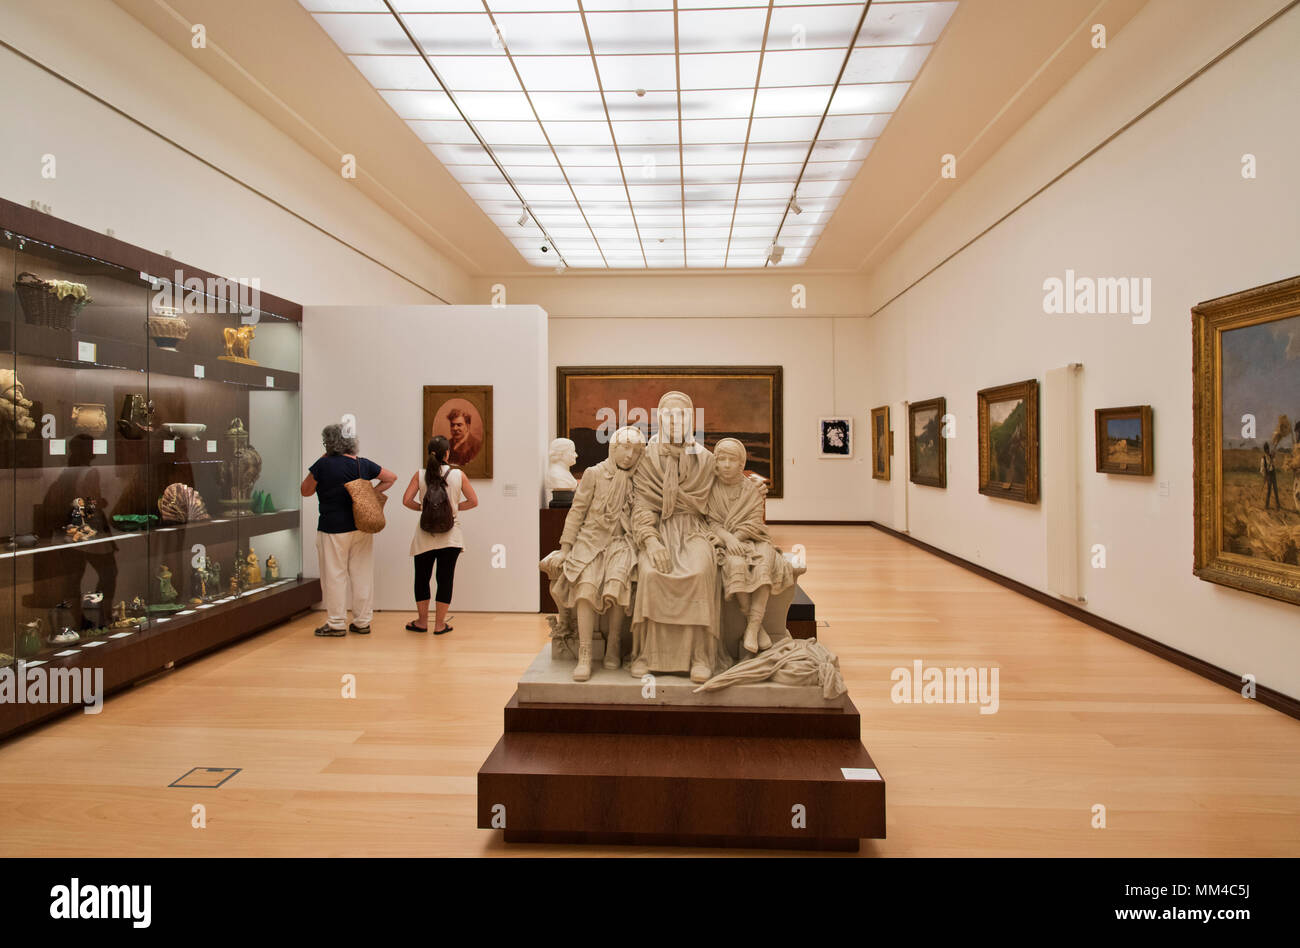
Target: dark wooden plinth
{"points": [[801, 620], [654, 776]]}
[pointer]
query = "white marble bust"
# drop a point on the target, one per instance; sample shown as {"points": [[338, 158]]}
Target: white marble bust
{"points": [[561, 455]]}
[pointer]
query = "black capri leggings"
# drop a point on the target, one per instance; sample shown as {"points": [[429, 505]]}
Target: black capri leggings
{"points": [[445, 558]]}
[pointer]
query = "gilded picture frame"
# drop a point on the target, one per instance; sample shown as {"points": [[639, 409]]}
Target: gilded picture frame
{"points": [[463, 415], [737, 401], [882, 443], [927, 448], [1008, 441], [1123, 440], [1242, 345]]}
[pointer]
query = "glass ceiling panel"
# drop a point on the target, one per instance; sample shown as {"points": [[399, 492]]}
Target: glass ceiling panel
{"points": [[642, 133]]}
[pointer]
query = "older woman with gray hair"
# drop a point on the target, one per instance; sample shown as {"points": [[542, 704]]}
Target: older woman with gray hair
{"points": [[346, 554]]}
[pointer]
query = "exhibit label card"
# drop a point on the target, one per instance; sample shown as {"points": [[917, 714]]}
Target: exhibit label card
{"points": [[86, 351], [860, 773]]}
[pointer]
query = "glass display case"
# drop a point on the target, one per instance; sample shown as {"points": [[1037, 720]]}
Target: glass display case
{"points": [[150, 441]]}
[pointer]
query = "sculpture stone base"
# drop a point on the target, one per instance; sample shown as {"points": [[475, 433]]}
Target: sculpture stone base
{"points": [[561, 498], [550, 680]]}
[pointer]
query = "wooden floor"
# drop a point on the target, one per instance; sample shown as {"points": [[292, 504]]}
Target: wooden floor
{"points": [[1182, 766]]}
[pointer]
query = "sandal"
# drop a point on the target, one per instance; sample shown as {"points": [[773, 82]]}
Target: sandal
{"points": [[325, 630], [412, 627], [445, 629]]}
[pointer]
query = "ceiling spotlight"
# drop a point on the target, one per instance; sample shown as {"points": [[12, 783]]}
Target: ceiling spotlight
{"points": [[794, 204], [523, 217], [776, 253]]}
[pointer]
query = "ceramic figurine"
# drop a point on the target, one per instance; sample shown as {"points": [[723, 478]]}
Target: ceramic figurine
{"points": [[252, 569], [238, 343], [15, 408], [272, 568], [166, 591], [591, 573], [30, 635], [78, 527], [138, 607], [64, 636], [561, 455]]}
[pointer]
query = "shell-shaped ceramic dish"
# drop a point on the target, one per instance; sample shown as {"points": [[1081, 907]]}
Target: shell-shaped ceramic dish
{"points": [[181, 503]]}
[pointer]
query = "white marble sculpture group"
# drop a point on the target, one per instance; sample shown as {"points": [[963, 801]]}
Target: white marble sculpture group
{"points": [[671, 536]]}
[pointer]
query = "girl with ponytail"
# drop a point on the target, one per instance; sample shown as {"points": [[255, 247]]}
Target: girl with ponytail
{"points": [[440, 492]]}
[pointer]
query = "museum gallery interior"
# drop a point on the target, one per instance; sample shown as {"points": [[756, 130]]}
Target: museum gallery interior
{"points": [[864, 428]]}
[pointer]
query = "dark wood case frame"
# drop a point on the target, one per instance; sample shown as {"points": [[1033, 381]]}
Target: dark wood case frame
{"points": [[776, 491], [1261, 304], [1142, 412], [1027, 390], [889, 446], [144, 654], [941, 404], [485, 391]]}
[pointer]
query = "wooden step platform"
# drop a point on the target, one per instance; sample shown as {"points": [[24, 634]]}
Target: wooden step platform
{"points": [[693, 776]]}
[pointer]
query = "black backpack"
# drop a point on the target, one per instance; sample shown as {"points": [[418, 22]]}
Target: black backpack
{"points": [[436, 515]]}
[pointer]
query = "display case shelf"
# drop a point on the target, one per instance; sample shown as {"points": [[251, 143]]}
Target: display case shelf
{"points": [[175, 537]]}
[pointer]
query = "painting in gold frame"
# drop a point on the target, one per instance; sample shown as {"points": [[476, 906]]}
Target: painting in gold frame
{"points": [[736, 401], [1123, 441], [1246, 471], [1008, 441], [882, 443], [463, 415], [927, 449]]}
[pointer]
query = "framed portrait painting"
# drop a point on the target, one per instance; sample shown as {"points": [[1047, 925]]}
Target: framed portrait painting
{"points": [[463, 415], [836, 437], [742, 402], [1123, 440], [1246, 425], [927, 451], [1008, 441], [882, 443]]}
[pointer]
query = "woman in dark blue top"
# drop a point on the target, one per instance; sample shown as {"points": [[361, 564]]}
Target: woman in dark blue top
{"points": [[345, 554]]}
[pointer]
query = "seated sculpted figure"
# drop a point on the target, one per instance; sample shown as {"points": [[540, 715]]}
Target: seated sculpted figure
{"points": [[753, 569], [593, 570], [675, 621]]}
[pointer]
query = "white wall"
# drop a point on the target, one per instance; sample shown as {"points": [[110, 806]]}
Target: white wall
{"points": [[374, 362], [823, 375], [111, 173], [1165, 200]]}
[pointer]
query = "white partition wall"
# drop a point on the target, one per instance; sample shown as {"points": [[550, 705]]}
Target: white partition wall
{"points": [[373, 362]]}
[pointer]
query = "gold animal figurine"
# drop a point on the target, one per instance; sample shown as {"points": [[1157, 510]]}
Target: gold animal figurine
{"points": [[238, 342]]}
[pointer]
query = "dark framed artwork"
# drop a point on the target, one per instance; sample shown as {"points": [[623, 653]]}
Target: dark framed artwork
{"points": [[1008, 441], [463, 415], [835, 436], [744, 402], [1123, 440], [1245, 409], [882, 443], [927, 449]]}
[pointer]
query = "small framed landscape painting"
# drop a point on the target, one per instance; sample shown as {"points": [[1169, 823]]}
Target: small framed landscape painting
{"points": [[463, 415], [882, 443], [927, 451], [1008, 441], [836, 437], [1246, 440], [1124, 440]]}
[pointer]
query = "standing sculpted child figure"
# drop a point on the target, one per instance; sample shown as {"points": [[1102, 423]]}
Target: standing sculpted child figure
{"points": [[592, 571], [753, 569]]}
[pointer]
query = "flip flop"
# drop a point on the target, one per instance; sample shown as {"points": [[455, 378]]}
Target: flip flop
{"points": [[412, 627], [442, 631]]}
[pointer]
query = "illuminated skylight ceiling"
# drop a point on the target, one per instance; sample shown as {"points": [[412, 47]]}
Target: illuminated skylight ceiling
{"points": [[643, 133]]}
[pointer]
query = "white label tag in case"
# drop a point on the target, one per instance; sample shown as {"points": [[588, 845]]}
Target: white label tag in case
{"points": [[86, 351]]}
